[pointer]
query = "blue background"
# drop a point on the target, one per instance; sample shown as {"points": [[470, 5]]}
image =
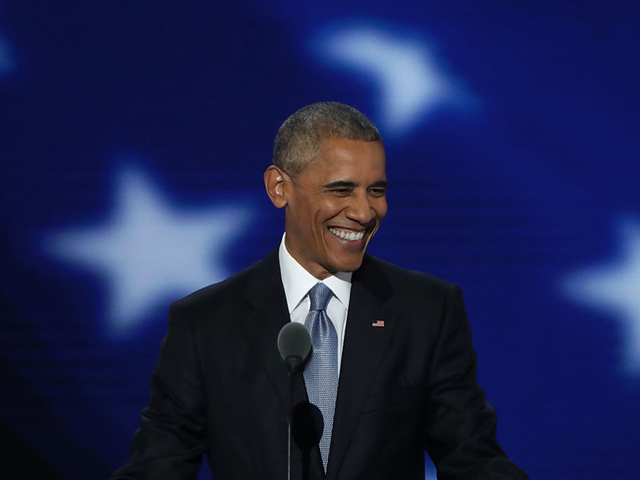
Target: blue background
{"points": [[134, 135]]}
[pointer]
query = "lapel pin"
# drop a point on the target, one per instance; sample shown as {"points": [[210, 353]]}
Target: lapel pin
{"points": [[378, 323]]}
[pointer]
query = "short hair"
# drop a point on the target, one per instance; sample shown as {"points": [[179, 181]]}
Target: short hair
{"points": [[299, 137]]}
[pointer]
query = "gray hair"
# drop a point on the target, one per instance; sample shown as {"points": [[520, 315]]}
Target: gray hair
{"points": [[298, 140]]}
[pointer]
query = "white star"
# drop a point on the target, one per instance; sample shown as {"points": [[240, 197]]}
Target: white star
{"points": [[149, 251], [411, 84], [614, 288]]}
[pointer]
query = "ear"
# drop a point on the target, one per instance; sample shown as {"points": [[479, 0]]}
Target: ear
{"points": [[274, 179]]}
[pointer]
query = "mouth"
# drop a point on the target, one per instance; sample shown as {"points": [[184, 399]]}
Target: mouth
{"points": [[348, 235]]}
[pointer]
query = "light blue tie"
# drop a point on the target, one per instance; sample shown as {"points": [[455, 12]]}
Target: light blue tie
{"points": [[321, 377]]}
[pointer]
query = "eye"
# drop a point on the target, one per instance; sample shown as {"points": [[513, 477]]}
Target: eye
{"points": [[378, 192], [342, 192]]}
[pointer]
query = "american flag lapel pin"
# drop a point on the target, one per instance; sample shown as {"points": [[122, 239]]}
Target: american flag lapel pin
{"points": [[378, 323]]}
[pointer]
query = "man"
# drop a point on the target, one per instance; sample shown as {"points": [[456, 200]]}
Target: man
{"points": [[393, 371]]}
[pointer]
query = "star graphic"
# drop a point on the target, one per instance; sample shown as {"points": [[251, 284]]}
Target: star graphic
{"points": [[410, 82], [614, 288], [148, 251]]}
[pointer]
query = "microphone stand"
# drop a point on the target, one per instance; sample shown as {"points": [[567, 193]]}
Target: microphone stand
{"points": [[292, 375], [294, 366], [295, 347]]}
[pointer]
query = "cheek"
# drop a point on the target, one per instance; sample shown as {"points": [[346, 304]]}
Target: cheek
{"points": [[381, 209], [328, 210]]}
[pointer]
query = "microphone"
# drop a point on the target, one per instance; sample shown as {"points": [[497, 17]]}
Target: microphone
{"points": [[295, 347]]}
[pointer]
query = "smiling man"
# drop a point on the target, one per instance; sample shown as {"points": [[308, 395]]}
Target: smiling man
{"points": [[334, 206], [393, 368]]}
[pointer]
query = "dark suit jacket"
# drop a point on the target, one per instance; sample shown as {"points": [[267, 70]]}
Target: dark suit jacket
{"points": [[220, 388]]}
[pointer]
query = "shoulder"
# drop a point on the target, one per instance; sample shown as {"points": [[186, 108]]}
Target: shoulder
{"points": [[232, 292], [403, 279], [409, 291]]}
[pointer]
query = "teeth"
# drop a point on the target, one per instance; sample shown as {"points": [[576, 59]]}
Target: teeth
{"points": [[347, 235]]}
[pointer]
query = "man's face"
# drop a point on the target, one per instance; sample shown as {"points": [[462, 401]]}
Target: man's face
{"points": [[335, 205]]}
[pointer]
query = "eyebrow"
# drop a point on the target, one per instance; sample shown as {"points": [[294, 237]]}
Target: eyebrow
{"points": [[341, 184], [349, 184]]}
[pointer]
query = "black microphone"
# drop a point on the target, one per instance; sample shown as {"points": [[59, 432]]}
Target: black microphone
{"points": [[294, 345], [296, 350]]}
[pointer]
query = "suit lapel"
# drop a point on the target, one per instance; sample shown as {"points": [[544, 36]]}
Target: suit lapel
{"points": [[270, 313], [364, 346], [266, 294]]}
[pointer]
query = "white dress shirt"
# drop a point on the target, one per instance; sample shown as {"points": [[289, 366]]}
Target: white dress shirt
{"points": [[297, 283]]}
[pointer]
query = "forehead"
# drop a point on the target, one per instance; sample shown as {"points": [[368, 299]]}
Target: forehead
{"points": [[343, 157]]}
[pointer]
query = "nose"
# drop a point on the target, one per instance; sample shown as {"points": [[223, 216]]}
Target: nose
{"points": [[360, 209]]}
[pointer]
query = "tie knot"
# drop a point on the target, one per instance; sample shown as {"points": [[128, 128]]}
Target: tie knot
{"points": [[319, 296]]}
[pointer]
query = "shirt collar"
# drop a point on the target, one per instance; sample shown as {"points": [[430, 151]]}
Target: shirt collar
{"points": [[297, 281]]}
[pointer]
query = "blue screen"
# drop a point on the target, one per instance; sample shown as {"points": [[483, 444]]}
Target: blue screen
{"points": [[134, 139]]}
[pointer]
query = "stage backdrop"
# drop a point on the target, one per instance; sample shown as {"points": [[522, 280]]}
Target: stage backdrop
{"points": [[134, 135]]}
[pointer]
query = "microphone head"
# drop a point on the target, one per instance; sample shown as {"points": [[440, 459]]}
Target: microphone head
{"points": [[294, 345]]}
